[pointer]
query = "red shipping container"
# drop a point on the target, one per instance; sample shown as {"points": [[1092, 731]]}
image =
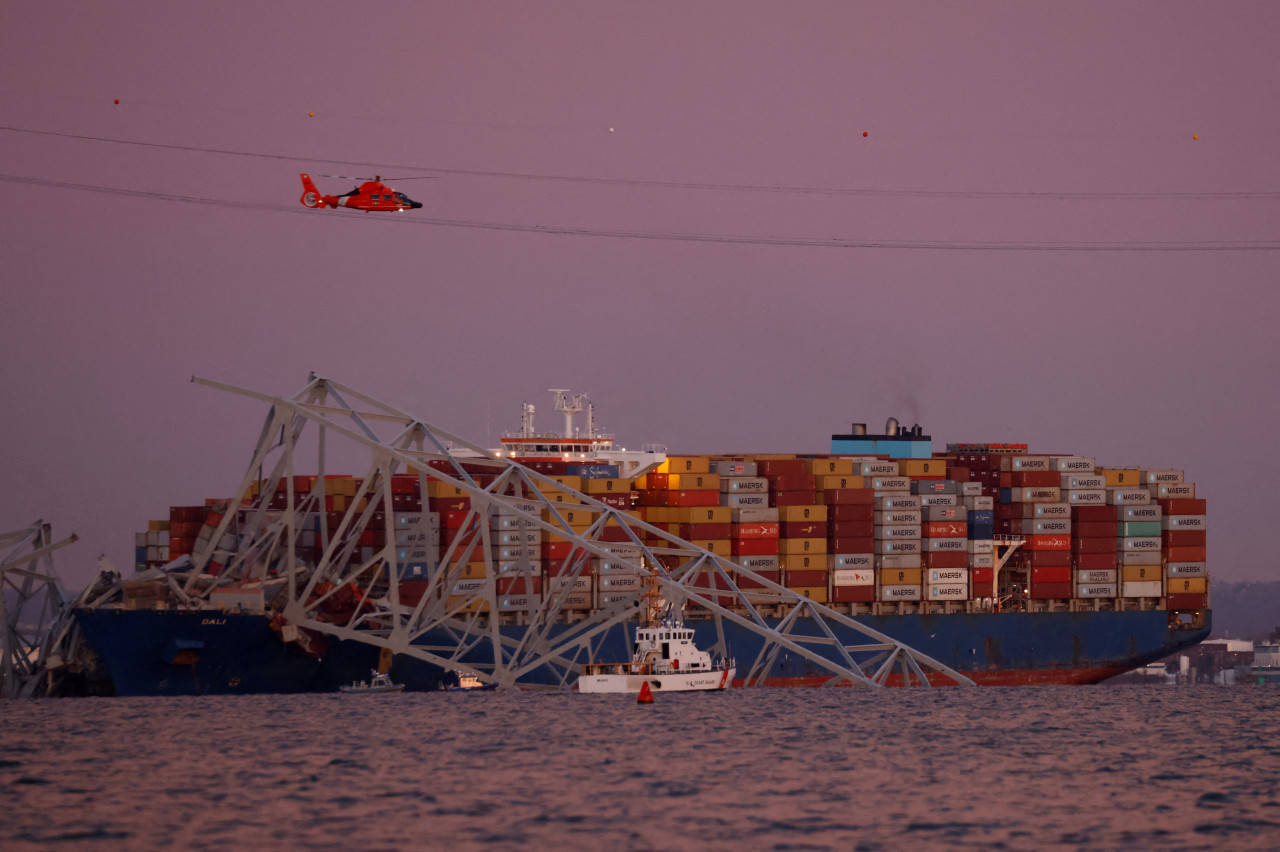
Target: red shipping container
{"points": [[1055, 574], [1049, 542], [1008, 511], [518, 585], [1184, 538], [946, 559], [1050, 591], [402, 484], [957, 474], [1093, 513], [1095, 561], [693, 498], [748, 583], [852, 513], [1185, 554], [1093, 545], [861, 544], [853, 594], [803, 529], [705, 531], [555, 550], [753, 546], [1185, 506], [981, 578], [1196, 601], [1051, 558], [794, 482], [944, 529], [411, 591], [1036, 479], [850, 497], [794, 498], [623, 500], [756, 529], [806, 579], [851, 529], [1006, 479], [782, 467], [449, 504], [449, 535], [615, 533], [1094, 529]]}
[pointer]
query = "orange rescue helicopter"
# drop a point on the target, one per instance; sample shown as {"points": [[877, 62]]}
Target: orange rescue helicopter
{"points": [[372, 195]]}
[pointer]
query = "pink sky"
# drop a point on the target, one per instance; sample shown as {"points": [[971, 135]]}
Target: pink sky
{"points": [[1136, 358]]}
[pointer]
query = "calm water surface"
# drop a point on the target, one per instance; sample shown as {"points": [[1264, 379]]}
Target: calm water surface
{"points": [[1104, 767]]}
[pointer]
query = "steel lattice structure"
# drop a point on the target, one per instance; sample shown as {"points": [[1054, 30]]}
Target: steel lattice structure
{"points": [[462, 631], [36, 627]]}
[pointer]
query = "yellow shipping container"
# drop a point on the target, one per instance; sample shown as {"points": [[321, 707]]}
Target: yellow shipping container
{"points": [[1118, 478], [899, 576], [718, 546], [686, 464], [569, 482], [703, 515], [802, 562], [815, 546], [157, 526], [339, 502], [923, 467], [802, 513], [830, 467], [833, 483], [1187, 585], [817, 594], [608, 486], [473, 571], [694, 482], [446, 490], [1141, 573], [571, 516]]}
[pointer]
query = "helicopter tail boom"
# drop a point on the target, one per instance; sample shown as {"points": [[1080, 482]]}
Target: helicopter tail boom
{"points": [[311, 196]]}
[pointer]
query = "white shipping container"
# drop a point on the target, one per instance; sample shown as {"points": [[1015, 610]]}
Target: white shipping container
{"points": [[1051, 526], [577, 584], [981, 545], [518, 567], [1184, 522], [421, 536], [836, 561], [1131, 557], [621, 582], [508, 507], [758, 563], [971, 489], [1071, 464], [733, 468], [405, 555], [1163, 476], [1046, 510], [519, 603], [1086, 496], [1126, 496], [1029, 463], [1077, 480], [1140, 543], [1037, 495], [1096, 575], [1096, 590], [898, 517], [949, 512], [853, 577], [618, 566], [876, 468], [607, 599], [755, 515], [900, 562], [940, 500], [947, 545], [739, 484], [947, 592], [509, 522], [468, 588], [899, 593], [898, 531], [898, 546], [891, 483], [982, 560], [1149, 512], [936, 576], [898, 501], [979, 502], [577, 600], [1141, 589], [1186, 569], [517, 537], [506, 554], [745, 500]]}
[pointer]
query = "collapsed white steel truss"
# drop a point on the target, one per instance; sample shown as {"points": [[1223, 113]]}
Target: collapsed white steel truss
{"points": [[461, 631], [36, 627]]}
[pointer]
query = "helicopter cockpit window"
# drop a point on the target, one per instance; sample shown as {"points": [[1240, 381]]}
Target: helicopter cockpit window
{"points": [[377, 198]]}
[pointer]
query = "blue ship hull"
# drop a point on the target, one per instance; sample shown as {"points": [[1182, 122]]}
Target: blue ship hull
{"points": [[169, 652]]}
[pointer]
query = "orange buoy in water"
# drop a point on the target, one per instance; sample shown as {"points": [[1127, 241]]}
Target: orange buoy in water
{"points": [[646, 694]]}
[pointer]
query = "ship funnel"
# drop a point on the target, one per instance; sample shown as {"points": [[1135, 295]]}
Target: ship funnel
{"points": [[859, 429], [891, 426]]}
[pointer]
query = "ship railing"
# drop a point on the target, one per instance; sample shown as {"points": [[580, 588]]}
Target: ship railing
{"points": [[616, 669]]}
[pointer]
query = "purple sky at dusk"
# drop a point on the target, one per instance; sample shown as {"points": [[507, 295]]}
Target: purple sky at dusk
{"points": [[993, 128]]}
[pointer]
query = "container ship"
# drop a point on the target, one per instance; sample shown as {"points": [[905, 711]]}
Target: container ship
{"points": [[998, 565]]}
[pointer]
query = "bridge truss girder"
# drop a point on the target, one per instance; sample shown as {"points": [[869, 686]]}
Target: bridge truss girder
{"points": [[37, 632]]}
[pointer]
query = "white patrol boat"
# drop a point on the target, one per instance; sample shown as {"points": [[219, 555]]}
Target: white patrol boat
{"points": [[663, 656], [377, 683]]}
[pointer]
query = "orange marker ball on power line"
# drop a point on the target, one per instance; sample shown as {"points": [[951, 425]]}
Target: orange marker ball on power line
{"points": [[1195, 135], [864, 133], [117, 100], [312, 114]]}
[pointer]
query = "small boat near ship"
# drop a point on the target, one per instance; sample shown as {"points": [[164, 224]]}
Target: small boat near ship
{"points": [[378, 683], [469, 683]]}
